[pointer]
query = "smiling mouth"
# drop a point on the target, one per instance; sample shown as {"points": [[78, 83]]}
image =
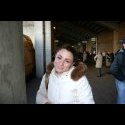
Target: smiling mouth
{"points": [[60, 68]]}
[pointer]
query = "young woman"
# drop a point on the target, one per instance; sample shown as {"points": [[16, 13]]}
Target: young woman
{"points": [[98, 58], [66, 84]]}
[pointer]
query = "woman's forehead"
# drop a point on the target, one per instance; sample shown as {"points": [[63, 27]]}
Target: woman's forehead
{"points": [[65, 53]]}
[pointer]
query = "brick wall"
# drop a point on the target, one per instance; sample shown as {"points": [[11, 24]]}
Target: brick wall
{"points": [[105, 41], [121, 31], [110, 40]]}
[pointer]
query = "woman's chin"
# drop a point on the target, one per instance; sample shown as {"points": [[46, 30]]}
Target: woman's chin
{"points": [[59, 71]]}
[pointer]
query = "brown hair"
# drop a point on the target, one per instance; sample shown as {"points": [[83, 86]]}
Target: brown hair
{"points": [[70, 49]]}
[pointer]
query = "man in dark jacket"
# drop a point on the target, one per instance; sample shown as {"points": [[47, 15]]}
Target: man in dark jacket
{"points": [[117, 69]]}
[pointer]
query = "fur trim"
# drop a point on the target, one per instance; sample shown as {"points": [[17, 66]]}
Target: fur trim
{"points": [[77, 73]]}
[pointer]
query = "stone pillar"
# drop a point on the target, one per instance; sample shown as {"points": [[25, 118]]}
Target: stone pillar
{"points": [[42, 46], [12, 73], [48, 41], [39, 48]]}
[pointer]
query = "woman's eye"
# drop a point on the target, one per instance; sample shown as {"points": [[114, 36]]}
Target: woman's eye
{"points": [[59, 57], [68, 61]]}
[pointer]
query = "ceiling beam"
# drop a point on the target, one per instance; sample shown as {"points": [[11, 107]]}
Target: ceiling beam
{"points": [[72, 34], [79, 28], [67, 39], [75, 31], [107, 24]]}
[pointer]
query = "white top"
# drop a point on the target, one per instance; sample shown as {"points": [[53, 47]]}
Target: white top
{"points": [[63, 90], [98, 58]]}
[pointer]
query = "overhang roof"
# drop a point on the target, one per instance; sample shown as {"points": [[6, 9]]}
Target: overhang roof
{"points": [[77, 31]]}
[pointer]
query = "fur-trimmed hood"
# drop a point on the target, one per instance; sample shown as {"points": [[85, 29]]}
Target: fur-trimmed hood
{"points": [[77, 73]]}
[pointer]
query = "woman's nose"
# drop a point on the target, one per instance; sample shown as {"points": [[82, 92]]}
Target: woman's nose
{"points": [[61, 63]]}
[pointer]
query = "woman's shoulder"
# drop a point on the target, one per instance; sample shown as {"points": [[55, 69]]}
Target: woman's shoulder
{"points": [[79, 71]]}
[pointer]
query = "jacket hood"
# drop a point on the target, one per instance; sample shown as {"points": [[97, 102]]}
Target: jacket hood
{"points": [[79, 70]]}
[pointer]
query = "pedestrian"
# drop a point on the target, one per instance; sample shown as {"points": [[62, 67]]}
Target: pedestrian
{"points": [[117, 69], [98, 58]]}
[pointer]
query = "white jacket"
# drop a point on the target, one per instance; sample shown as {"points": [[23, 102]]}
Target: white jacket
{"points": [[98, 58], [63, 90]]}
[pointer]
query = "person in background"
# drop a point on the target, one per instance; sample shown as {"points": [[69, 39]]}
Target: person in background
{"points": [[84, 56], [98, 58], [117, 69], [108, 60], [112, 57], [66, 82]]}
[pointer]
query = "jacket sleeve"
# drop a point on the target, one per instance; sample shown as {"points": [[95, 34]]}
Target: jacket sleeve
{"points": [[41, 96], [115, 68], [83, 94]]}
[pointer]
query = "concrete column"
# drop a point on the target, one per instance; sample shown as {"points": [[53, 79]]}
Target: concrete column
{"points": [[39, 48], [48, 41], [12, 74], [42, 46]]}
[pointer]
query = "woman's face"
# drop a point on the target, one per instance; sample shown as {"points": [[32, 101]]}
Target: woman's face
{"points": [[63, 61]]}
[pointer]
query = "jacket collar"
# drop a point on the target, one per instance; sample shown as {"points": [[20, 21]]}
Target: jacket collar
{"points": [[76, 71]]}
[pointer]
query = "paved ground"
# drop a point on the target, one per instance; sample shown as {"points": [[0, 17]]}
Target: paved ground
{"points": [[103, 88], [32, 86]]}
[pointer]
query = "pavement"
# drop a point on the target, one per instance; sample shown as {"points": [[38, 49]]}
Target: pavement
{"points": [[103, 88]]}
